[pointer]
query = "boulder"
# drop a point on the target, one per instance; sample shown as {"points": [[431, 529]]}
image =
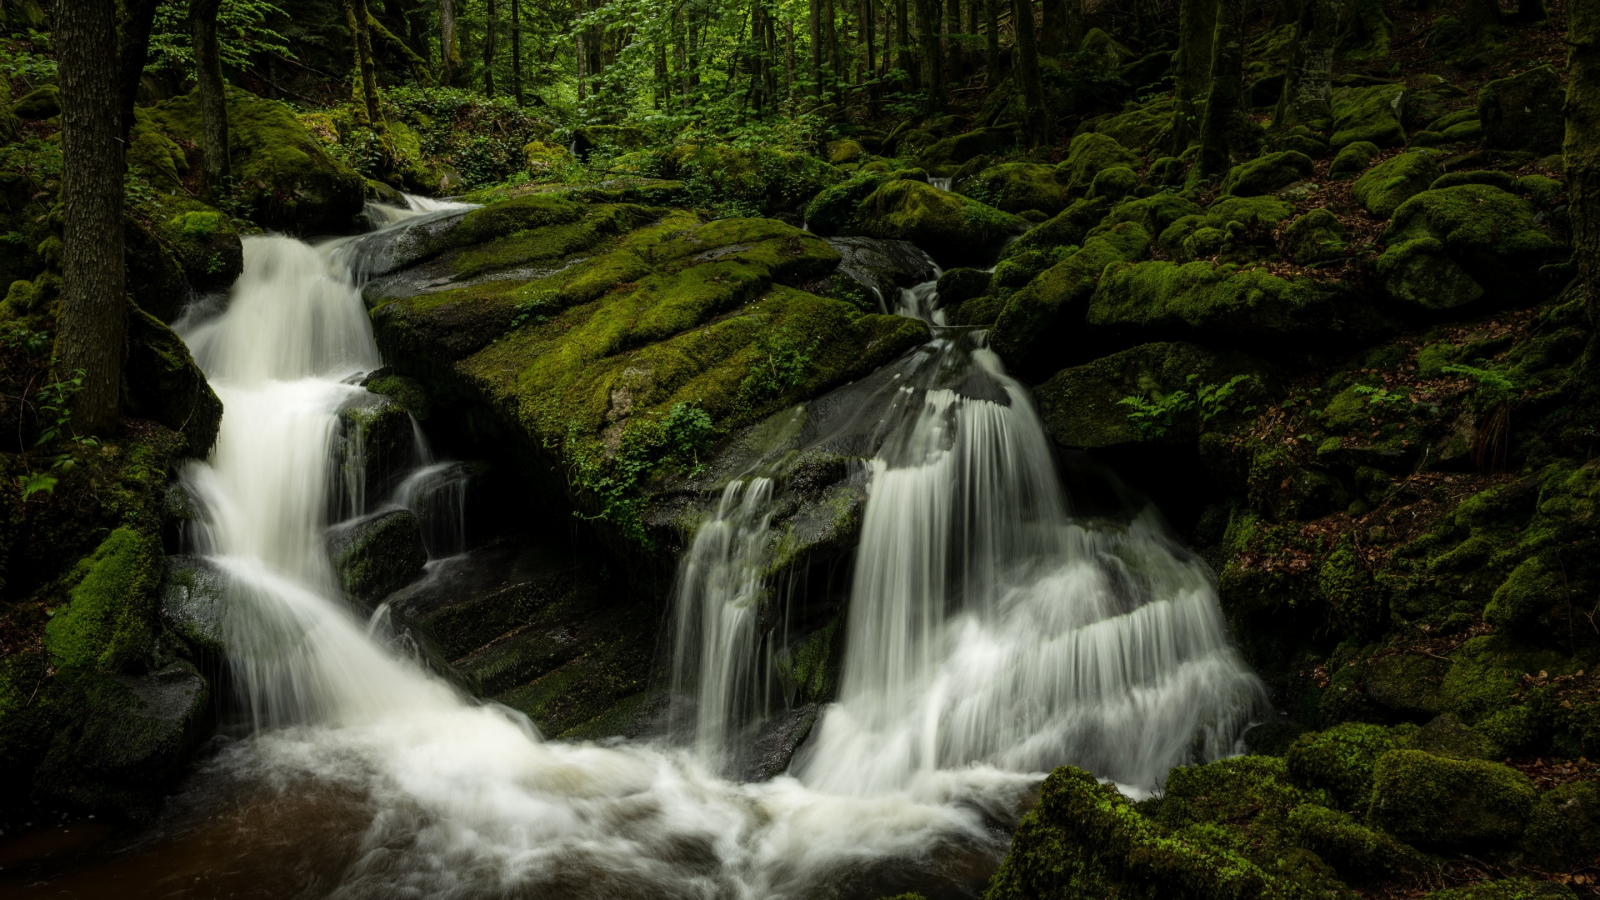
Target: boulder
{"points": [[1087, 156], [1113, 184], [872, 272], [1353, 159], [762, 180], [955, 230], [1435, 801], [1233, 229], [546, 160], [155, 279], [957, 149], [163, 384], [1489, 234], [1394, 181], [194, 605], [1318, 236], [1268, 174], [1067, 228], [377, 555], [1016, 187], [1368, 114], [959, 285], [1340, 761], [377, 444], [1505, 181], [43, 102], [1524, 112], [836, 209]]}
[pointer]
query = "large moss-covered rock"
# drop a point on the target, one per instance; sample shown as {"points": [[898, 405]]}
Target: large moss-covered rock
{"points": [[1084, 406], [1268, 173], [1441, 802], [1340, 761], [163, 384], [1066, 229], [1318, 236], [954, 229], [1087, 156], [106, 624], [1016, 187], [836, 209], [1231, 230], [1394, 181], [378, 555], [956, 149], [281, 173], [1368, 114], [1484, 231], [761, 180], [1523, 112], [1353, 159]]}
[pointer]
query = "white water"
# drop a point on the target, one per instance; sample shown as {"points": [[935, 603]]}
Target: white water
{"points": [[465, 799]]}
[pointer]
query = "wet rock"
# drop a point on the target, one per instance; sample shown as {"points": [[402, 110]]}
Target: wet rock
{"points": [[377, 555], [194, 596], [1524, 112], [769, 753], [956, 286], [881, 268], [377, 445]]}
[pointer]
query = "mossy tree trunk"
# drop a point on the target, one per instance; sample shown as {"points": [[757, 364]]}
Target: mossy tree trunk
{"points": [[1224, 119], [419, 66], [490, 37], [1037, 118], [814, 24], [133, 49], [449, 44], [932, 65], [991, 43], [213, 97], [516, 53], [1197, 23], [906, 60], [1582, 148], [1308, 82], [356, 15], [830, 34], [92, 326]]}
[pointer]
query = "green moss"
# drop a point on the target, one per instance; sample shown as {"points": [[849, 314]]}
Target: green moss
{"points": [[756, 181], [1436, 801], [1016, 187], [1394, 181], [1368, 114], [1067, 229], [1087, 156], [1205, 296], [1341, 760], [1420, 273], [1532, 587], [1268, 173], [1474, 221], [1502, 180], [1507, 889], [107, 623], [1057, 297], [1540, 189], [952, 228], [1318, 236], [1353, 159], [1114, 183], [1154, 214], [836, 209], [1349, 846]]}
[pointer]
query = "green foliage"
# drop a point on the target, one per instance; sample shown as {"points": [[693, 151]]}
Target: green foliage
{"points": [[1491, 383], [1381, 396], [1152, 418], [242, 33], [482, 138], [647, 445], [779, 362]]}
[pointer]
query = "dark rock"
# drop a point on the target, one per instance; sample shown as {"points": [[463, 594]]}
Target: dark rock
{"points": [[164, 385], [194, 597], [769, 753], [1524, 112], [960, 285], [377, 555], [1435, 801], [42, 102], [882, 267]]}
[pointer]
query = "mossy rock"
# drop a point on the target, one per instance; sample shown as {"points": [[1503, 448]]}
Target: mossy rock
{"points": [[1087, 156], [281, 173], [1340, 761], [1489, 233], [1353, 159], [106, 624], [1017, 270], [1318, 236], [845, 151], [1232, 229], [1421, 274], [43, 102], [1155, 214], [1368, 114], [546, 160], [1083, 406], [1439, 802], [155, 279], [1138, 125], [1035, 321], [1524, 112], [378, 555], [960, 285], [1268, 174], [836, 209], [1502, 180], [1067, 228], [194, 605], [1506, 889], [1394, 181], [163, 384], [1541, 189], [762, 180], [1016, 187], [957, 149], [953, 229]]}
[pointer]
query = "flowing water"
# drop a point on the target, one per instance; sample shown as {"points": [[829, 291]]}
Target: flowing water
{"points": [[990, 636]]}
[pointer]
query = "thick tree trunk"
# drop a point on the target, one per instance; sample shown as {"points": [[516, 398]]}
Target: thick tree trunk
{"points": [[814, 9], [1224, 116], [133, 49], [991, 43], [213, 99], [830, 34], [955, 54], [932, 80], [1037, 124], [419, 66], [516, 52], [788, 58], [1582, 148], [1074, 13], [449, 44], [92, 327], [1053, 28], [1308, 83], [356, 17], [869, 38], [1197, 25], [489, 37], [902, 36]]}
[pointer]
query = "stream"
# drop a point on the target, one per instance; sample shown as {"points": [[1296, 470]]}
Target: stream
{"points": [[990, 636]]}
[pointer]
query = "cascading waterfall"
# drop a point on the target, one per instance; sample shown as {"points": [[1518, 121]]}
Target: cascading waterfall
{"points": [[458, 798]]}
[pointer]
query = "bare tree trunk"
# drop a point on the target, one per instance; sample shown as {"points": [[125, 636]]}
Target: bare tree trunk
{"points": [[814, 8], [1308, 82], [1074, 11], [1582, 147], [1197, 25], [489, 33], [213, 100], [932, 82], [991, 37], [92, 327], [831, 35], [788, 59], [133, 49], [1053, 28], [449, 44], [954, 55], [516, 52], [1224, 116], [1037, 123], [902, 36], [869, 22]]}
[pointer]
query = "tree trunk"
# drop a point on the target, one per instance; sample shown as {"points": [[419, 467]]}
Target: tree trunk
{"points": [[1582, 148], [213, 100], [1074, 15], [991, 41], [1037, 124], [1532, 11], [419, 66], [1308, 83], [954, 52], [1053, 28], [868, 36], [92, 327], [814, 8], [133, 49], [516, 52], [355, 12], [1197, 25], [932, 82], [788, 58], [489, 33], [830, 34], [1224, 116], [449, 45], [902, 36]]}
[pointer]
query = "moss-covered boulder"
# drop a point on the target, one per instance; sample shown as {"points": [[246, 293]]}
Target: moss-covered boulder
{"points": [[1368, 114], [1353, 159], [1340, 761], [1113, 184], [1439, 802], [1268, 173], [1097, 404], [1067, 228], [1230, 230], [760, 181], [1523, 112], [1505, 181], [1087, 156], [281, 173], [1034, 327], [163, 384], [545, 159], [1016, 187], [1394, 181], [954, 229], [1440, 239], [43, 102], [1316, 237], [959, 285], [378, 555], [948, 152], [837, 209]]}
